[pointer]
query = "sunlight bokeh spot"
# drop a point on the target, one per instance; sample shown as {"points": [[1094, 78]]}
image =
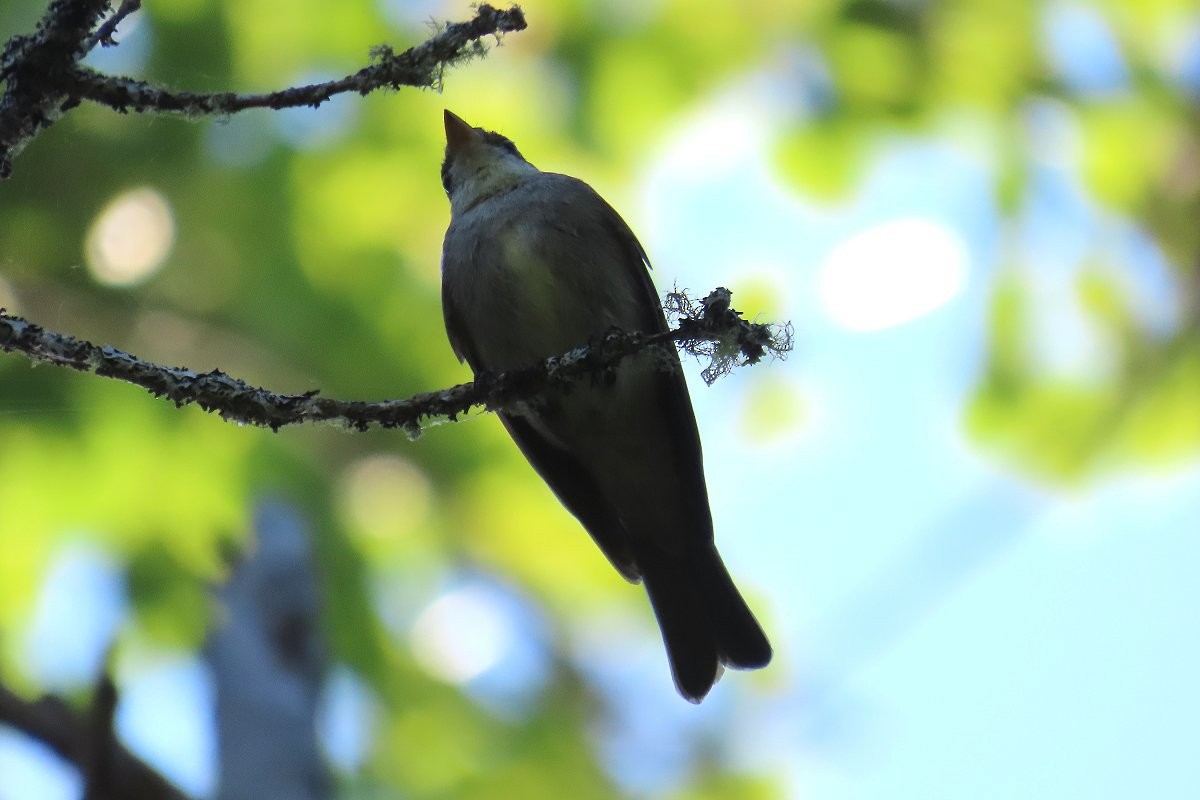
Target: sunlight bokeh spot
{"points": [[773, 412], [892, 273], [461, 635], [37, 769], [384, 496], [169, 691], [130, 238], [79, 610], [346, 718]]}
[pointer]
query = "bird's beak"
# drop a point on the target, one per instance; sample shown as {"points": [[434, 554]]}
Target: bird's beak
{"points": [[458, 132]]}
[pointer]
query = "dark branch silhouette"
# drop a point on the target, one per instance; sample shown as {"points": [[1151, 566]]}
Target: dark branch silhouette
{"points": [[86, 740], [708, 328], [43, 78], [104, 33]]}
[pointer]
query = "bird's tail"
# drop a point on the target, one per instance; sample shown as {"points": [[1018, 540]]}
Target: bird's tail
{"points": [[706, 625]]}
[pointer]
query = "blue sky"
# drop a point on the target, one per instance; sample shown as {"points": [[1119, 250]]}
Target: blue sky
{"points": [[950, 628]]}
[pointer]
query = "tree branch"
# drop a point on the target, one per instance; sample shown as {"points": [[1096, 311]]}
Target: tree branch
{"points": [[110, 770], [44, 79], [709, 328], [100, 767], [417, 66], [29, 66]]}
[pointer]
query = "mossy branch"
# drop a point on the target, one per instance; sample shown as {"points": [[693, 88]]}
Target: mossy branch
{"points": [[43, 78], [709, 328]]}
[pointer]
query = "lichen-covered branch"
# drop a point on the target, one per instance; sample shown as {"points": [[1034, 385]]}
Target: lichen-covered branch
{"points": [[30, 67], [709, 328], [43, 78], [417, 66]]}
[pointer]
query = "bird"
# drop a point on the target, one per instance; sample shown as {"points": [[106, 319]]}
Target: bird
{"points": [[535, 264]]}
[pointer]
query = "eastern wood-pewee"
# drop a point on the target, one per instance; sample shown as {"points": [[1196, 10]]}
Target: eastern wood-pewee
{"points": [[535, 264]]}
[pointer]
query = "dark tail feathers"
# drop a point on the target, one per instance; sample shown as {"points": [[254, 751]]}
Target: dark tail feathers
{"points": [[705, 623]]}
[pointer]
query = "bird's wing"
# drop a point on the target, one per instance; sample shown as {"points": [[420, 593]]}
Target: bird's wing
{"points": [[671, 401], [640, 308], [456, 331]]}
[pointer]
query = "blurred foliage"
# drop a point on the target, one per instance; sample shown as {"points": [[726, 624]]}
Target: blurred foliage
{"points": [[306, 255]]}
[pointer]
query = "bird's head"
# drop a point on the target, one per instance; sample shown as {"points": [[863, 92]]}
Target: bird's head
{"points": [[479, 163]]}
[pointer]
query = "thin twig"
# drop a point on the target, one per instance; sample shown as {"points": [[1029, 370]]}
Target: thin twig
{"points": [[417, 66], [43, 78], [104, 34], [29, 65]]}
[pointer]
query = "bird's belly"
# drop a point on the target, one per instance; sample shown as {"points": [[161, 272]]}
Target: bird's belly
{"points": [[524, 308]]}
